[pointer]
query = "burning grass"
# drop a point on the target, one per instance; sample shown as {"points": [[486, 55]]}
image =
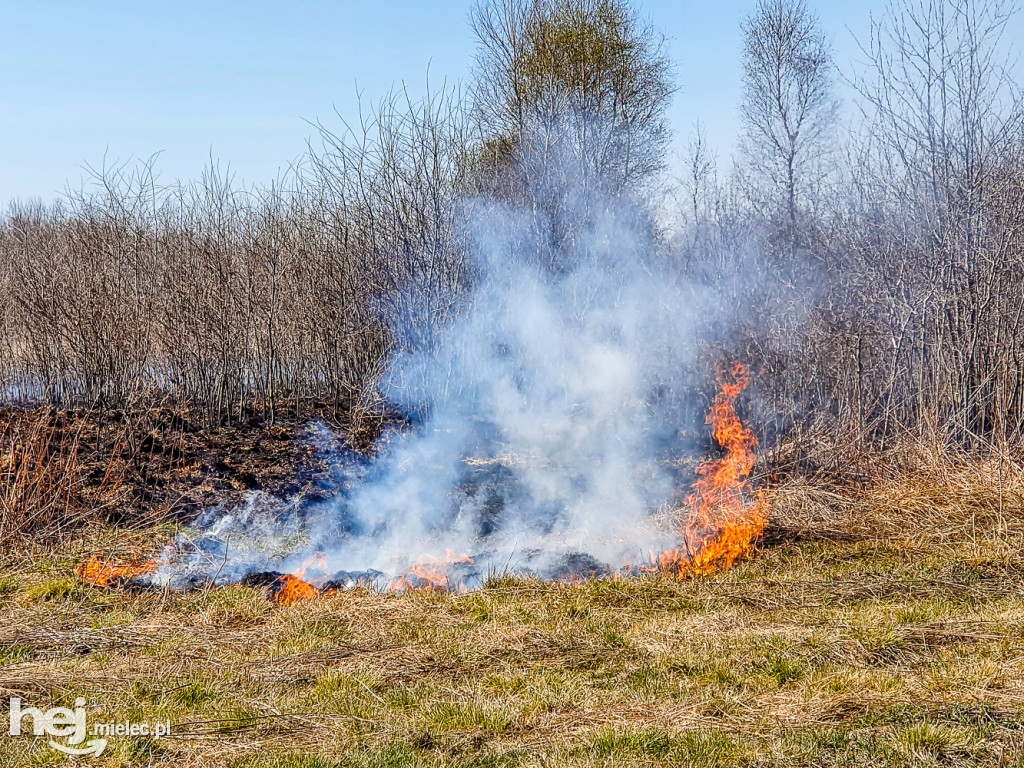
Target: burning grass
{"points": [[718, 526], [98, 571], [879, 625], [722, 526], [852, 639]]}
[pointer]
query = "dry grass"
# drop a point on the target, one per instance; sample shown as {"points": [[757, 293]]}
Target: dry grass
{"points": [[50, 484], [878, 627]]}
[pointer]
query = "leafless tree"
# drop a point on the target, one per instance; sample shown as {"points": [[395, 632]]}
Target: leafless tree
{"points": [[701, 174], [787, 108], [943, 120]]}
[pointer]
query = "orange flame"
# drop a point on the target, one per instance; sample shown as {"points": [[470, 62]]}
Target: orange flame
{"points": [[293, 587], [431, 573], [722, 527], [101, 571], [319, 559], [293, 590]]}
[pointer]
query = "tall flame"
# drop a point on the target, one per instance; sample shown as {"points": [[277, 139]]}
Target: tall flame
{"points": [[721, 528]]}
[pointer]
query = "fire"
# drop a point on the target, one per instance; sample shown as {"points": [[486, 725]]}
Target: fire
{"points": [[431, 573], [292, 590], [293, 587], [319, 559], [721, 528], [101, 571]]}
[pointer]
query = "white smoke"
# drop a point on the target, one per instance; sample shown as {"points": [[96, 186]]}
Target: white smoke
{"points": [[551, 426]]}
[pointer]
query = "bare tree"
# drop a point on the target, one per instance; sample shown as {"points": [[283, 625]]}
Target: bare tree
{"points": [[788, 108], [943, 119], [701, 174]]}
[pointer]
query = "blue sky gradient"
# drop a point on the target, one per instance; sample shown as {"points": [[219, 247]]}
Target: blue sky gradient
{"points": [[107, 81]]}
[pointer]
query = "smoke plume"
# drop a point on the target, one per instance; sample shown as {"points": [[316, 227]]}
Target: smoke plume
{"points": [[548, 420]]}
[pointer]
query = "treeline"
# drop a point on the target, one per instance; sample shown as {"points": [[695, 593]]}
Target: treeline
{"points": [[897, 242], [870, 269], [237, 299]]}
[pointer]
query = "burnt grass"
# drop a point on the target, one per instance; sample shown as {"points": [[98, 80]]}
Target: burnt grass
{"points": [[167, 463]]}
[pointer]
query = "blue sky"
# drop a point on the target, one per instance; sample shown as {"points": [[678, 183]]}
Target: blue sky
{"points": [[84, 81]]}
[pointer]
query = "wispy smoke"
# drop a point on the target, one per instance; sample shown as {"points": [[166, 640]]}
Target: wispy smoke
{"points": [[551, 416]]}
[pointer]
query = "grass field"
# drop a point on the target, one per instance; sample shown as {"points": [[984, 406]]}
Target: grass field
{"points": [[878, 627]]}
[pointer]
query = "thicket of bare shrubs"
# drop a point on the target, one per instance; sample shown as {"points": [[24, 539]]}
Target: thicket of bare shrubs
{"points": [[874, 274], [232, 298], [890, 255]]}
